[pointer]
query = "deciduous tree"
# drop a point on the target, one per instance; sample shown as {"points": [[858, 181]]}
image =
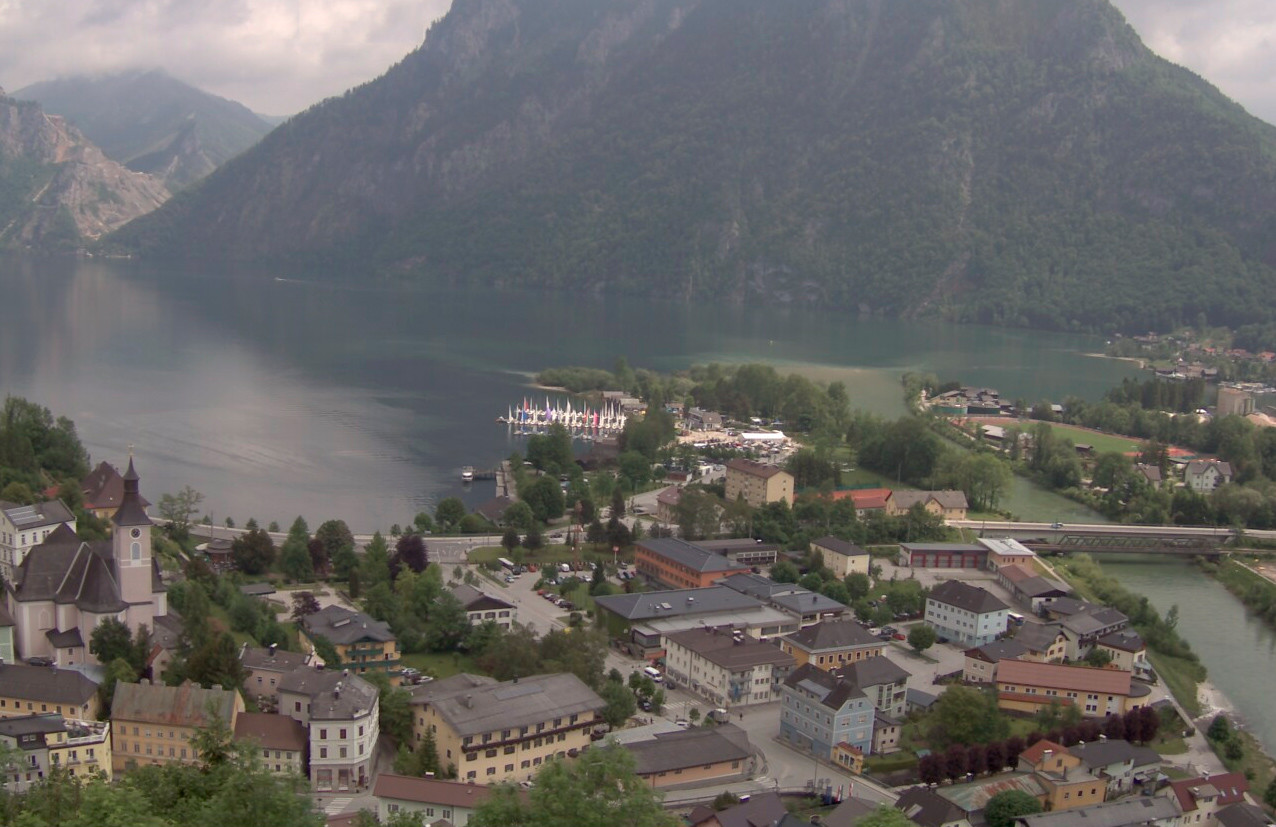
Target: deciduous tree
{"points": [[1007, 806], [254, 552]]}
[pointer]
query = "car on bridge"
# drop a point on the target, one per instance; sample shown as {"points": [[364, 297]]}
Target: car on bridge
{"points": [[1056, 525]]}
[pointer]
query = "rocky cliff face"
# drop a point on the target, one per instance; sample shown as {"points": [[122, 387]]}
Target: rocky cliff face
{"points": [[1008, 161], [56, 188]]}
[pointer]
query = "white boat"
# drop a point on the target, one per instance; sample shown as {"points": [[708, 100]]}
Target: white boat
{"points": [[467, 474]]}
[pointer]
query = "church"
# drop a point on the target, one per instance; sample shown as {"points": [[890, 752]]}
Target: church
{"points": [[65, 586]]}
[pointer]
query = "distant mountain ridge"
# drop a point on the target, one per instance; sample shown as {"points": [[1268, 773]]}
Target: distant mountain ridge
{"points": [[1021, 162], [152, 122], [56, 188]]}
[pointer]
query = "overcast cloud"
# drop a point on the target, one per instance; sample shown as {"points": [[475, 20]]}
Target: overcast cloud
{"points": [[280, 56]]}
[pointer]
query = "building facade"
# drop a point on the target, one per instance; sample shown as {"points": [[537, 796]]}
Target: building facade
{"points": [[819, 711], [481, 607], [341, 713], [431, 798], [726, 668], [677, 564], [23, 527], [965, 614], [363, 643], [830, 645], [281, 739], [43, 743], [154, 724], [842, 557], [31, 690], [1024, 686], [943, 556], [758, 484], [265, 668]]}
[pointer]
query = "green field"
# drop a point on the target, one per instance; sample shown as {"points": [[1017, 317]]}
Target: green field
{"points": [[1103, 443], [440, 665]]}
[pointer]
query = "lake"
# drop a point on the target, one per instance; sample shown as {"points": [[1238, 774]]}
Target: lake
{"points": [[283, 397]]}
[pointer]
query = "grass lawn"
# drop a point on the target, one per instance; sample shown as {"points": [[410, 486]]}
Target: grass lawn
{"points": [[894, 762], [1254, 764], [1177, 674], [440, 665], [1176, 773], [1101, 442], [1170, 746]]}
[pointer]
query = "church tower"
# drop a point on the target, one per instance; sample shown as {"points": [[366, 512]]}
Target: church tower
{"points": [[132, 551]]}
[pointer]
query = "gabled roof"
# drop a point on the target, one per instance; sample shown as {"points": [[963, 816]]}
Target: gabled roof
{"points": [[474, 600], [1038, 637], [1058, 676], [1098, 754], [187, 705], [759, 811], [270, 731], [866, 498], [430, 791], [70, 639], [839, 546], [927, 808], [652, 605], [1015, 573], [669, 496], [1041, 587], [685, 554], [905, 500], [966, 597], [461, 682], [998, 651], [832, 635], [1243, 815], [27, 517], [828, 689], [804, 603], [694, 747], [1126, 640], [334, 696], [754, 469], [1037, 751], [343, 626], [1093, 622], [65, 570], [1144, 809], [721, 647], [276, 660], [104, 488], [494, 509], [1228, 787], [1197, 467], [874, 671], [514, 704], [757, 585]]}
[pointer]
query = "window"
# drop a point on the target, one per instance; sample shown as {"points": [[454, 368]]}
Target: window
{"points": [[343, 752], [343, 734], [135, 551], [323, 752], [323, 734]]}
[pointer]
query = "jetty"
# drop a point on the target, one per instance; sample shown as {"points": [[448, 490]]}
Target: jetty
{"points": [[582, 421]]}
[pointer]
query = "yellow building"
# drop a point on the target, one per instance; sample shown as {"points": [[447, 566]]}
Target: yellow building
{"points": [[949, 505], [757, 484], [47, 742], [1066, 782], [495, 732], [693, 757], [31, 690], [281, 739], [1025, 686], [831, 644], [154, 724], [363, 643], [842, 557]]}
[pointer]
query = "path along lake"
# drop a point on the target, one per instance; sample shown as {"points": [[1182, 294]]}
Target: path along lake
{"points": [[276, 398]]}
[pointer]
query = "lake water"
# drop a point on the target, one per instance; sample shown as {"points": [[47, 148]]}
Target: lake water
{"points": [[277, 398], [1238, 649]]}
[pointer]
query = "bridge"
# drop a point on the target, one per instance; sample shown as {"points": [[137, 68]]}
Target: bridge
{"points": [[1114, 538]]}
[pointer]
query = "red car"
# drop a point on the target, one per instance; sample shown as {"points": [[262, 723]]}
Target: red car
{"points": [[900, 636]]}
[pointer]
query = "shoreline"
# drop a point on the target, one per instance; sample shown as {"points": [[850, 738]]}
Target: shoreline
{"points": [[1142, 363]]}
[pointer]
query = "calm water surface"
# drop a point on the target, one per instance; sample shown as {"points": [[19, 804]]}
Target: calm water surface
{"points": [[277, 398]]}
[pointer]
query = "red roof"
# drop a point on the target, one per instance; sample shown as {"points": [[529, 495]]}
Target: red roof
{"points": [[865, 497], [1015, 574], [271, 731], [430, 790], [1058, 676], [1037, 751], [1231, 787]]}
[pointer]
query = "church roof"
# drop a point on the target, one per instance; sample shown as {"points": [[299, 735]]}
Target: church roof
{"points": [[82, 574], [131, 512], [104, 488]]}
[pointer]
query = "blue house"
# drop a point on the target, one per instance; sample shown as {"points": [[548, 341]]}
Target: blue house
{"points": [[820, 710]]}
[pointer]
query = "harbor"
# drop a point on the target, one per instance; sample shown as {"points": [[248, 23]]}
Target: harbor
{"points": [[581, 421]]}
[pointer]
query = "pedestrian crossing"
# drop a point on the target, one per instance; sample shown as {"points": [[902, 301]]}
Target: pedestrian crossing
{"points": [[337, 806]]}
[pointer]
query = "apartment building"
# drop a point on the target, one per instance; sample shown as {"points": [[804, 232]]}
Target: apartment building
{"points": [[430, 798], [758, 484], [42, 743], [281, 739], [842, 557], [363, 644], [725, 667], [265, 667], [965, 614], [154, 724], [821, 712], [27, 690], [341, 713], [506, 731], [1067, 782], [481, 607], [1024, 686], [882, 680], [831, 644], [23, 527], [677, 564]]}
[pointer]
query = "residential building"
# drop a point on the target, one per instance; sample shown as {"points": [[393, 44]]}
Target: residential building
{"points": [[981, 661], [1067, 782], [341, 713], [642, 620], [726, 668], [943, 555], [1119, 763], [1084, 629], [819, 711], [965, 614], [42, 743], [842, 557], [806, 606], [867, 500], [1244, 815], [759, 810], [1005, 551], [1204, 475], [667, 504], [677, 564], [426, 693], [362, 643], [915, 700], [1200, 799], [282, 740], [27, 690], [266, 667], [1024, 686], [60, 594], [745, 550], [948, 505], [832, 644], [758, 484], [698, 419], [154, 723], [886, 731], [1031, 591], [8, 649], [481, 607], [882, 680], [927, 808], [1234, 402], [23, 527], [1127, 650], [1144, 811], [693, 757], [431, 798], [103, 492], [506, 731], [972, 797], [1043, 642]]}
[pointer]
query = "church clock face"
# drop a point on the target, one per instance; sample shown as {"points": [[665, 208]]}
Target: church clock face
{"points": [[137, 532]]}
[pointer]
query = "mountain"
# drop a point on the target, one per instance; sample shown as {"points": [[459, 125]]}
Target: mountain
{"points": [[152, 122], [58, 189], [1023, 162]]}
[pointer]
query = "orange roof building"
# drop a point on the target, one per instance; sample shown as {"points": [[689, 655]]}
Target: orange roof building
{"points": [[1027, 686]]}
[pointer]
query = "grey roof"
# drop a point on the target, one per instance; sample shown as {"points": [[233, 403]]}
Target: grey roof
{"points": [[474, 600], [692, 747], [1006, 545], [832, 634], [343, 626], [943, 547], [928, 808], [515, 704], [756, 585], [999, 650], [1037, 637], [26, 517], [257, 589], [495, 508], [1070, 606], [805, 602], [1039, 586], [947, 499], [32, 724], [67, 570], [1127, 640], [48, 684], [1089, 623], [132, 510], [722, 648], [917, 697], [185, 705], [650, 605], [693, 557], [166, 632], [334, 696], [280, 660], [736, 544], [460, 682], [70, 639], [830, 690], [874, 671], [849, 812], [967, 597], [759, 811], [1098, 754], [839, 546], [1243, 815], [1197, 467], [1132, 811]]}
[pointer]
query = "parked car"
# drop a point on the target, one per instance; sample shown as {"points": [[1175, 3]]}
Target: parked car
{"points": [[900, 636]]}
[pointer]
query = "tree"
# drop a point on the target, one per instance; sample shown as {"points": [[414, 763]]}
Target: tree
{"points": [[995, 756], [885, 816], [698, 514], [111, 640], [1269, 794], [620, 703], [395, 707], [930, 769], [725, 799], [510, 540], [784, 572], [964, 715], [921, 637], [1220, 729], [544, 496], [117, 671], [254, 552], [598, 789], [1005, 807], [519, 516], [295, 560], [410, 551], [449, 624], [533, 539], [318, 553], [304, 603], [179, 509], [449, 513], [325, 650], [216, 662], [375, 567]]}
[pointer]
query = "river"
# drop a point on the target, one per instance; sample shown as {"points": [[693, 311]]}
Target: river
{"points": [[1237, 648], [281, 397]]}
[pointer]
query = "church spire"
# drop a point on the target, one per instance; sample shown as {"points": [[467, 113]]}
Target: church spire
{"points": [[131, 511]]}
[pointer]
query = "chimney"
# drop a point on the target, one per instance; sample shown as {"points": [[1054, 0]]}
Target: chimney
{"points": [[273, 647], [469, 701], [217, 687], [1102, 738], [345, 673]]}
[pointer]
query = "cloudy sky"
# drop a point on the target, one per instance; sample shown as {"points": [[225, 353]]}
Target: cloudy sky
{"points": [[280, 56]]}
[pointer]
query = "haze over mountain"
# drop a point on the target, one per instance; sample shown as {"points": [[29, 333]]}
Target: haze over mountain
{"points": [[151, 122], [56, 188], [1011, 161]]}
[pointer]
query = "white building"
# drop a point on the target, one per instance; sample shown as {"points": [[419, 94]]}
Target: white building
{"points": [[341, 713], [481, 607], [23, 527], [966, 615], [726, 668]]}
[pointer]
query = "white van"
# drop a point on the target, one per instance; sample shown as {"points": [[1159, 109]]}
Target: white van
{"points": [[652, 672]]}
